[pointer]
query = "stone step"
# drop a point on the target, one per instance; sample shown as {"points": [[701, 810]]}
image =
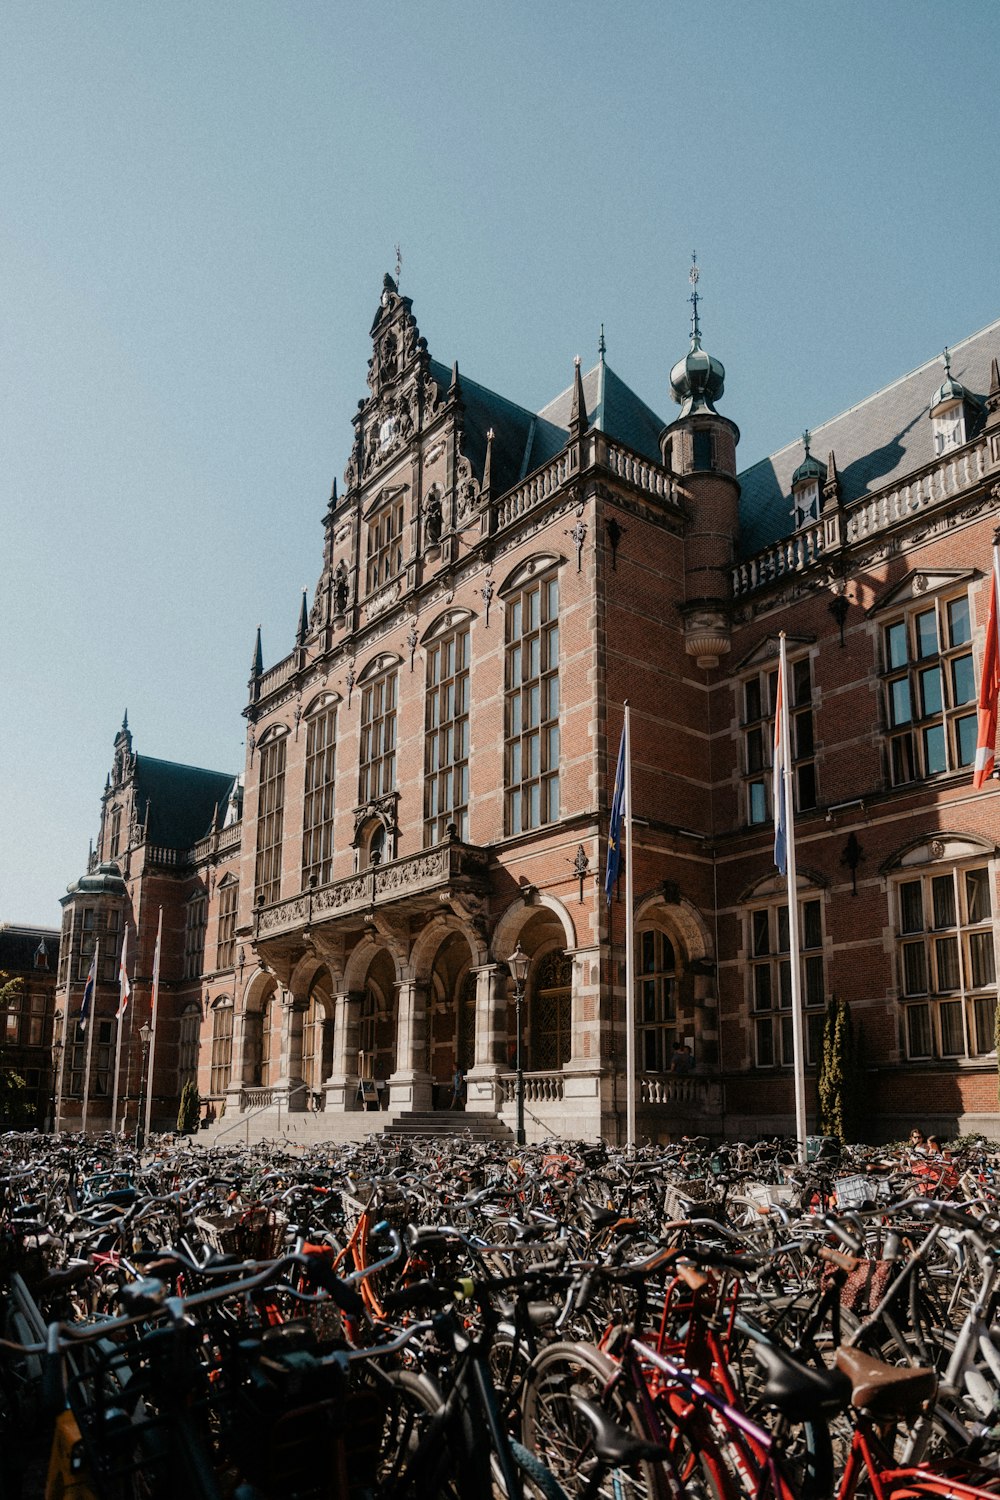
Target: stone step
{"points": [[307, 1129]]}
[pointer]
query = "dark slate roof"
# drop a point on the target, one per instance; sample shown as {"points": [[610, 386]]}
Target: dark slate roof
{"points": [[612, 407], [524, 440], [876, 443], [18, 946], [511, 424], [182, 800]]}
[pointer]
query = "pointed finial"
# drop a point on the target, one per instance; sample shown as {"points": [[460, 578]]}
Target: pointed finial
{"points": [[125, 721], [455, 388], [946, 356], [399, 265], [488, 464], [994, 377], [694, 276], [806, 440], [257, 665], [601, 345], [303, 630], [333, 493], [578, 411]]}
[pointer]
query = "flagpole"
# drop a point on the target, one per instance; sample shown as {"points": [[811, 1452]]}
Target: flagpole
{"points": [[120, 1019], [629, 947], [66, 1033], [798, 1038], [91, 1028], [152, 1027]]}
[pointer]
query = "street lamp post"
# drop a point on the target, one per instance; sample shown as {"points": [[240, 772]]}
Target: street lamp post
{"points": [[519, 964], [57, 1046], [145, 1035]]}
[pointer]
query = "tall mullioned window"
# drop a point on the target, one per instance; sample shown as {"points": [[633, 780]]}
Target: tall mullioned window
{"points": [[656, 1001], [194, 936], [531, 738], [222, 1044], [946, 963], [270, 821], [929, 685], [317, 834], [446, 738], [225, 950], [385, 546], [378, 738], [771, 982], [759, 697]]}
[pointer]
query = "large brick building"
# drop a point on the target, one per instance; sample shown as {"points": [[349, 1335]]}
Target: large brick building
{"points": [[429, 769]]}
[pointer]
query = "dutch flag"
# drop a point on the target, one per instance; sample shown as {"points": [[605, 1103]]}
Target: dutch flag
{"points": [[88, 994]]}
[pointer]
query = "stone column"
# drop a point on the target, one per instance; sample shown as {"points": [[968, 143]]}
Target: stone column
{"points": [[239, 1071], [582, 1074], [411, 1087], [483, 1082], [290, 1081], [342, 1085]]}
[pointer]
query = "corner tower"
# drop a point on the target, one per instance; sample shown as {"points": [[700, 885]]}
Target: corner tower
{"points": [[699, 446]]}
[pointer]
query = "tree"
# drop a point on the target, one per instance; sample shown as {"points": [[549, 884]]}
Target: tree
{"points": [[838, 1081], [15, 1104], [189, 1112]]}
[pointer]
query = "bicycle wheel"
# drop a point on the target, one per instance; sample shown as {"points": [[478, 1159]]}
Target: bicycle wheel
{"points": [[554, 1430], [421, 1456]]}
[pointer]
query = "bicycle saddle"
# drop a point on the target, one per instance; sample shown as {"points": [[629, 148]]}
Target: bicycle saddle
{"points": [[613, 1444], [800, 1392], [885, 1390]]}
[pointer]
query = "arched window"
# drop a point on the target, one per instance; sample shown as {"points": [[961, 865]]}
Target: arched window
{"points": [[222, 1045], [318, 802], [317, 1040], [270, 819], [551, 1006], [266, 1029], [188, 1037], [656, 1000]]}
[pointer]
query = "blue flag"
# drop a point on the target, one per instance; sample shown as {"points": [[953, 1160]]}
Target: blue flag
{"points": [[615, 827], [88, 994]]}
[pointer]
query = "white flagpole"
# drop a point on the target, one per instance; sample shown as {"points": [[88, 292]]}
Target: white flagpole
{"points": [[629, 947], [798, 1037], [118, 1031], [153, 1007], [91, 1028]]}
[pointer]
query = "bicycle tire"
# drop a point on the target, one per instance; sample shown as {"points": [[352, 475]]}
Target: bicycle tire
{"points": [[554, 1431]]}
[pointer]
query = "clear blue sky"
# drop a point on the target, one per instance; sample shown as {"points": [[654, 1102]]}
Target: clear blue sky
{"points": [[198, 202]]}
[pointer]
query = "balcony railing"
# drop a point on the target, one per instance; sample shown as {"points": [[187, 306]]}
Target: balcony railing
{"points": [[674, 1090], [868, 517], [418, 875]]}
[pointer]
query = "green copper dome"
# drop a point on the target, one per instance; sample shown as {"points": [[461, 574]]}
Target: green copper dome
{"points": [[698, 380]]}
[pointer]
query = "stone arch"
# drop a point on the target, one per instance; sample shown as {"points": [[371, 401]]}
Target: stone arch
{"points": [[360, 960], [259, 998], [945, 847], [424, 950], [517, 917], [676, 996], [447, 986]]}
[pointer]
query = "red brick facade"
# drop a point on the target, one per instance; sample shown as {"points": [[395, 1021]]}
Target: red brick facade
{"points": [[494, 585]]}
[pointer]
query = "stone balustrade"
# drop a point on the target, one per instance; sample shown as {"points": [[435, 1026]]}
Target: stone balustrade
{"points": [[425, 873], [868, 517], [673, 1089], [539, 1088], [255, 1098]]}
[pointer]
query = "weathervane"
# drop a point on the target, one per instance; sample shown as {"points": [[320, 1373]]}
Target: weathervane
{"points": [[694, 276]]}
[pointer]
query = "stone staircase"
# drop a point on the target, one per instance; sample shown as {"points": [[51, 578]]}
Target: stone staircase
{"points": [[454, 1122], [307, 1129]]}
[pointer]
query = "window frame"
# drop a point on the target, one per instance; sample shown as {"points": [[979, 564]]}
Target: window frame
{"points": [[938, 948], [446, 735], [532, 782], [377, 742], [925, 723], [768, 993], [758, 691], [319, 795], [270, 819]]}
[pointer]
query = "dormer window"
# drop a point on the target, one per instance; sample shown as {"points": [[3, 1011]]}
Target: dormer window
{"points": [[949, 427], [805, 508], [806, 481]]}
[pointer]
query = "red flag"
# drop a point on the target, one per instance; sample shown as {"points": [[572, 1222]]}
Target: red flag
{"points": [[989, 690]]}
